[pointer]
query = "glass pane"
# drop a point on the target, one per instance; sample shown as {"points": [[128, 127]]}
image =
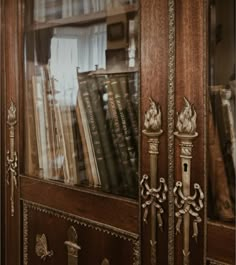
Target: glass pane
{"points": [[82, 93], [221, 114]]}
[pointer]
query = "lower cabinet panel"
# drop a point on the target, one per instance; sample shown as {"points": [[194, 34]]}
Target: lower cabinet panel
{"points": [[45, 232]]}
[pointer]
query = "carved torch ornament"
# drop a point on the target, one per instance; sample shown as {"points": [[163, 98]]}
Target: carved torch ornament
{"points": [[12, 160], [152, 194], [186, 204]]}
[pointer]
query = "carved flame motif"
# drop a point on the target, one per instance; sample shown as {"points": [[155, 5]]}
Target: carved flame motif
{"points": [[186, 123], [153, 117]]}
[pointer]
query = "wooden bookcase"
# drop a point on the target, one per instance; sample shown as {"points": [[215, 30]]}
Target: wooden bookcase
{"points": [[172, 64]]}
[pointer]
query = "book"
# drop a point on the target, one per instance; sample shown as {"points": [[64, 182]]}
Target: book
{"points": [[40, 124], [95, 90], [96, 140], [77, 7], [79, 155], [125, 152], [118, 89], [124, 90], [220, 193], [224, 122], [70, 176], [53, 9], [39, 11], [67, 8], [56, 128], [88, 150]]}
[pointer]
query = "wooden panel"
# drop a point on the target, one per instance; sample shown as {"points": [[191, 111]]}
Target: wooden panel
{"points": [[11, 29], [117, 212], [154, 76], [96, 242], [191, 83], [221, 243]]}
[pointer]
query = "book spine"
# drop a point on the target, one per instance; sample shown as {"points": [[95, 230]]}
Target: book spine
{"points": [[104, 135], [79, 155], [123, 114], [221, 116], [130, 110], [39, 11], [128, 177], [218, 176], [53, 9], [40, 125], [60, 154], [91, 165], [95, 136], [50, 98]]}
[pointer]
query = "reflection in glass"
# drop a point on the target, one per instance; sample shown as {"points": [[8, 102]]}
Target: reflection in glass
{"points": [[222, 110], [81, 93]]}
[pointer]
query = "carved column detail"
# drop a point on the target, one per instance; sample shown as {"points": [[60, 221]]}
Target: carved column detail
{"points": [[186, 204], [153, 195], [12, 160]]}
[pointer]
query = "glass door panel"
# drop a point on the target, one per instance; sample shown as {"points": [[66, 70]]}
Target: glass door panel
{"points": [[222, 110], [81, 93]]}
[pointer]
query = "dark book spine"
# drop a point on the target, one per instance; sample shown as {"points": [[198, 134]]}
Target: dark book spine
{"points": [[123, 115], [90, 114], [106, 142], [53, 9], [130, 110], [221, 118], [128, 177], [79, 155]]}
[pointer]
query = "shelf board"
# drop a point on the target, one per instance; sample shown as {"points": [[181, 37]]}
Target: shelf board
{"points": [[84, 18], [103, 208], [115, 71], [221, 242]]}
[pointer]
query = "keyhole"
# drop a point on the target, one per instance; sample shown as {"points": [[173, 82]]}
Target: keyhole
{"points": [[185, 167]]}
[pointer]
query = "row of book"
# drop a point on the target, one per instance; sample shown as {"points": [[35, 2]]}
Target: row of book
{"points": [[222, 150], [93, 142], [105, 107], [45, 10]]}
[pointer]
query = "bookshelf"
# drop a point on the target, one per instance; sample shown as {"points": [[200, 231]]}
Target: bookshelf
{"points": [[89, 95], [84, 19]]}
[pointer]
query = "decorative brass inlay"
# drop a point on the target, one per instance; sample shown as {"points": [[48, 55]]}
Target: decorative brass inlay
{"points": [[187, 120], [104, 228], [105, 262], [171, 127], [25, 233], [152, 122], [41, 247], [153, 196], [187, 205], [12, 160], [191, 204], [72, 246]]}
